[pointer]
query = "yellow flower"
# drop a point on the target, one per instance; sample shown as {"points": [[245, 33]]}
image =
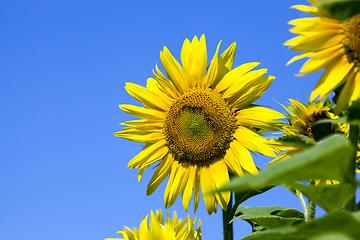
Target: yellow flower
{"points": [[301, 117], [175, 229], [199, 124], [331, 45]]}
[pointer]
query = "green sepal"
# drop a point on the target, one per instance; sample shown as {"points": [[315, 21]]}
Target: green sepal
{"points": [[341, 9], [298, 141]]}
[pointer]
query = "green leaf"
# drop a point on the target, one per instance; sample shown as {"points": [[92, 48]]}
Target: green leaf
{"points": [[270, 217], [298, 141], [332, 236], [354, 113], [328, 197], [328, 159], [341, 9], [241, 197], [340, 120], [339, 224]]}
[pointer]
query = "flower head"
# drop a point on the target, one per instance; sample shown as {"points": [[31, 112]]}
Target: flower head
{"points": [[173, 229], [199, 123], [331, 45], [301, 119]]}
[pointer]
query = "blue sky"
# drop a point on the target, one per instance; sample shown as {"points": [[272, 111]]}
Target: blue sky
{"points": [[63, 68]]}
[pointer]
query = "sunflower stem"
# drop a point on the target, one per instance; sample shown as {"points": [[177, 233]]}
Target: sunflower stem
{"points": [[311, 207], [354, 138], [227, 216], [303, 203]]}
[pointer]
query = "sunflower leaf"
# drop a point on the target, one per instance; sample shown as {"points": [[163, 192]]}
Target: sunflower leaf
{"points": [[340, 120], [241, 197], [341, 9], [354, 112], [334, 226], [328, 197], [298, 141], [328, 159], [270, 217]]}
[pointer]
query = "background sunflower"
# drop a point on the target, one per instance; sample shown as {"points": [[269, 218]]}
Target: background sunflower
{"points": [[331, 45]]}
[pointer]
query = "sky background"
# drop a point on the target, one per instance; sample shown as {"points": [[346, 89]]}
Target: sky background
{"points": [[63, 68]]}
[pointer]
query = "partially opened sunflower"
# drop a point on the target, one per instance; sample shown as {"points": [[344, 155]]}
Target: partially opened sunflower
{"points": [[301, 119], [199, 123], [173, 229], [331, 45]]}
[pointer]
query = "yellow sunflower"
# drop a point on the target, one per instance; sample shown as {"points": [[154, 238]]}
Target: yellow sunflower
{"points": [[331, 45], [301, 117], [199, 124], [175, 229]]}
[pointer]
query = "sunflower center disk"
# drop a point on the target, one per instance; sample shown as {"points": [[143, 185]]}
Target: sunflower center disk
{"points": [[199, 127], [352, 38]]}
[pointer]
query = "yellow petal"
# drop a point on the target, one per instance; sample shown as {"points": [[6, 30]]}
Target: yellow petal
{"points": [[136, 135], [244, 157], [146, 97], [173, 70], [318, 42], [300, 56], [259, 117], [346, 92], [213, 69], [225, 63], [242, 84], [252, 93], [149, 153], [187, 193], [253, 141], [161, 172], [321, 59], [234, 75], [164, 84], [175, 183], [333, 78], [156, 229], [143, 112], [144, 230], [207, 185], [197, 188], [220, 175]]}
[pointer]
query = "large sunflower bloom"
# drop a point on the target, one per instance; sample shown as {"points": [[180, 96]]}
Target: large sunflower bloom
{"points": [[199, 124], [301, 118], [173, 229], [331, 45]]}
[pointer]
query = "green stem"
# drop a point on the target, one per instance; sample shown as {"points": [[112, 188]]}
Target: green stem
{"points": [[310, 213], [303, 203], [354, 138], [311, 210], [227, 216]]}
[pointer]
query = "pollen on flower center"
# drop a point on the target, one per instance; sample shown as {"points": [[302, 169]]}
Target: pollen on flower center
{"points": [[199, 127], [352, 39]]}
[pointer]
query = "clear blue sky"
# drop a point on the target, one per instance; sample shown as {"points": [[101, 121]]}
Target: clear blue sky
{"points": [[63, 67]]}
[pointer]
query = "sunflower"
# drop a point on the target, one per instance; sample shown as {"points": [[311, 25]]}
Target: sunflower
{"points": [[331, 45], [301, 118], [174, 229], [200, 124]]}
